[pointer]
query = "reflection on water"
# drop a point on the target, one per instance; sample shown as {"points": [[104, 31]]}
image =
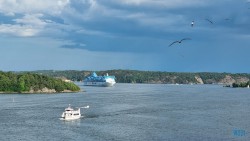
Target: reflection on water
{"points": [[76, 122], [130, 112]]}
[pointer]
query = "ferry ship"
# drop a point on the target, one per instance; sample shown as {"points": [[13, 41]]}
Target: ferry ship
{"points": [[95, 80]]}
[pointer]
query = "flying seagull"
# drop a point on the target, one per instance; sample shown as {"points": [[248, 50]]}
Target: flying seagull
{"points": [[192, 23], [179, 41], [210, 21]]}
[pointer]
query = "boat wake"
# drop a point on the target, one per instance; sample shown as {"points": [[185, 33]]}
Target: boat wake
{"points": [[85, 107]]}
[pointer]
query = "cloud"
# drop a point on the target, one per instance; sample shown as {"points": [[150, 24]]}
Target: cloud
{"points": [[92, 32], [131, 22], [12, 7], [28, 25], [85, 17], [29, 17], [74, 46], [113, 20], [149, 4], [97, 17], [33, 20], [18, 30]]}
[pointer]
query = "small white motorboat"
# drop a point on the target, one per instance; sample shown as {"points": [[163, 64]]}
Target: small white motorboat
{"points": [[71, 114]]}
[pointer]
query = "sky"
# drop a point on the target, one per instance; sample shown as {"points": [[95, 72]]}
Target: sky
{"points": [[125, 34]]}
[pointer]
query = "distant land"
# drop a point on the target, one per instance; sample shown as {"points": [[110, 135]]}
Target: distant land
{"points": [[33, 83], [155, 77]]}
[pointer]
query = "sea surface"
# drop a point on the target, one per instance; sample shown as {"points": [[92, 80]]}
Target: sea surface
{"points": [[130, 112]]}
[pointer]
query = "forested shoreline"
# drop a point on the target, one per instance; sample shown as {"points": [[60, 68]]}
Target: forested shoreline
{"points": [[50, 81], [155, 77], [33, 83]]}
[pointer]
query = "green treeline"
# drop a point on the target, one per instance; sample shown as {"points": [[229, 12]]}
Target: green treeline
{"points": [[235, 85], [134, 76], [24, 82]]}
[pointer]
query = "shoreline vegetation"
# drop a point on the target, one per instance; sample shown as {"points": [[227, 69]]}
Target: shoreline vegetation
{"points": [[241, 85], [31, 83], [51, 81], [158, 77]]}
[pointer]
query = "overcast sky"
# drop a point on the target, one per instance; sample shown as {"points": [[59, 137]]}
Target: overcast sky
{"points": [[125, 34]]}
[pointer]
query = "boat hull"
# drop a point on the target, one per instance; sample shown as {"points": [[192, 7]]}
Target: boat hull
{"points": [[102, 81], [100, 84], [72, 118]]}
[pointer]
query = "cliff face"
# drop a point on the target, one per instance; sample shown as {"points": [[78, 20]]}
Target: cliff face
{"points": [[230, 80], [199, 80], [46, 90], [227, 80]]}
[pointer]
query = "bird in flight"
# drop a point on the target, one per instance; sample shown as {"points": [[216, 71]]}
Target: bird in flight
{"points": [[192, 23], [210, 21], [179, 41]]}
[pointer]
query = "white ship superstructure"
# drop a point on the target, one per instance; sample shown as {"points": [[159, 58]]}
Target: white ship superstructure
{"points": [[71, 114], [94, 80]]}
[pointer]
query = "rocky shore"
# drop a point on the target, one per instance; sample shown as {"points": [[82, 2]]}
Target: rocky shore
{"points": [[42, 91]]}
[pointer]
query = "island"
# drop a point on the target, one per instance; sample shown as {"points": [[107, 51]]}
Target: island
{"points": [[155, 77], [34, 83]]}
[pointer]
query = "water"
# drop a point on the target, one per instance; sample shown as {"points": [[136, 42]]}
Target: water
{"points": [[130, 112]]}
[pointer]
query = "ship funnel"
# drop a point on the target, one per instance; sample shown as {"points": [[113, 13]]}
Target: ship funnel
{"points": [[94, 74]]}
